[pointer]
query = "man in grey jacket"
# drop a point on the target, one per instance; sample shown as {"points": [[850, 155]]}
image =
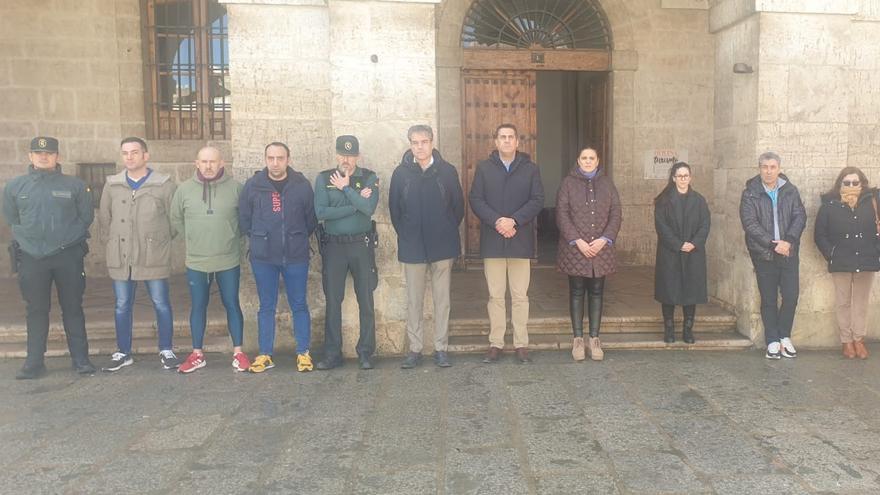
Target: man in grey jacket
{"points": [[773, 217], [136, 228]]}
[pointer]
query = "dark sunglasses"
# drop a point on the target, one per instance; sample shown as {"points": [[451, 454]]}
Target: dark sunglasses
{"points": [[851, 183]]}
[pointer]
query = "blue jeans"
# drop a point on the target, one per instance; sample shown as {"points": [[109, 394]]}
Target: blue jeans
{"points": [[295, 282], [200, 290], [158, 290]]}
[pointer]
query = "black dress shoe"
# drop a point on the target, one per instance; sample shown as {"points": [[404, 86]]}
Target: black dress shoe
{"points": [[328, 364], [441, 359], [30, 371], [85, 367], [365, 362]]}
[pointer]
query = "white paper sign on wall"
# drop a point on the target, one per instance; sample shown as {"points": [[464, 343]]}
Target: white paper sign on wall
{"points": [[658, 161]]}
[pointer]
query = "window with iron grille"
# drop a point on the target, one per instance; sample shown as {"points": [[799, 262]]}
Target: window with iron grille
{"points": [[95, 176], [545, 24], [187, 64]]}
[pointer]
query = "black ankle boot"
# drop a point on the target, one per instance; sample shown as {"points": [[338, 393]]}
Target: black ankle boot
{"points": [[669, 330], [688, 330]]}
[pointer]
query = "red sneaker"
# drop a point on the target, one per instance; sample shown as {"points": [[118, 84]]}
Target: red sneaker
{"points": [[240, 361], [193, 362]]}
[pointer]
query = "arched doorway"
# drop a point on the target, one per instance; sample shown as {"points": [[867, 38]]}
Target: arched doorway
{"points": [[542, 65]]}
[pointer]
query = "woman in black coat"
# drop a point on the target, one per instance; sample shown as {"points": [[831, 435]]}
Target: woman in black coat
{"points": [[681, 217], [846, 234]]}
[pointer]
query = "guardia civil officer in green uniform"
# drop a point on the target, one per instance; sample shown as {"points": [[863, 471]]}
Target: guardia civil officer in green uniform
{"points": [[345, 200], [50, 214]]}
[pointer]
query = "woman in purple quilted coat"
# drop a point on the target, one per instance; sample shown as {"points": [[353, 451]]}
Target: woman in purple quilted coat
{"points": [[588, 216]]}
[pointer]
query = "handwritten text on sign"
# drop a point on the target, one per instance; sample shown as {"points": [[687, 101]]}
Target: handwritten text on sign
{"points": [[658, 161]]}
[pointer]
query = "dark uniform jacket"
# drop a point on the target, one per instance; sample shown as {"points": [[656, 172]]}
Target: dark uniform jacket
{"points": [[848, 237], [518, 194], [756, 215], [346, 212], [48, 211], [278, 225], [679, 277], [426, 210], [587, 209]]}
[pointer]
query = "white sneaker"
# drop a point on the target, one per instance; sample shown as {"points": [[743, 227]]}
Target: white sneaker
{"points": [[788, 349], [773, 350]]}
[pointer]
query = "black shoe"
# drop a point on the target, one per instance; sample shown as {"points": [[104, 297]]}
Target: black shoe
{"points": [[522, 355], [412, 360], [441, 359], [365, 362], [118, 361], [328, 364], [30, 371], [84, 367], [669, 331]]}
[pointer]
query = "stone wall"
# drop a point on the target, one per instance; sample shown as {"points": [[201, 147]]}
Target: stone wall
{"points": [[815, 99], [339, 67], [72, 70], [662, 92]]}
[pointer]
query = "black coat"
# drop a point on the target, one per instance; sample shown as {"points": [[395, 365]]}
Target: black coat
{"points": [[756, 215], [517, 194], [426, 210], [848, 238], [679, 277]]}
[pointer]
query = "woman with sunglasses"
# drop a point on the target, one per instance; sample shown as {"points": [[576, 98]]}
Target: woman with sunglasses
{"points": [[681, 217], [846, 234]]}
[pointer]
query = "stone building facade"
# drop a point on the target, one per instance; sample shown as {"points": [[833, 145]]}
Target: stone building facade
{"points": [[303, 71]]}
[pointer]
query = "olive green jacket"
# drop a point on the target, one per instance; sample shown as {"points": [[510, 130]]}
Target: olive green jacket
{"points": [[209, 225]]}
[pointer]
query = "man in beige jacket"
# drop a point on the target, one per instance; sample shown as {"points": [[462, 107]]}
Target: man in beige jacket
{"points": [[135, 227]]}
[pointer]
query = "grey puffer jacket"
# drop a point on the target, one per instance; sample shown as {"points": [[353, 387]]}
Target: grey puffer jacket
{"points": [[756, 215]]}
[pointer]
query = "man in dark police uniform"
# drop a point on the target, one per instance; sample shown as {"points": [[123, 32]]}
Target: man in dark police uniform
{"points": [[50, 214], [345, 200]]}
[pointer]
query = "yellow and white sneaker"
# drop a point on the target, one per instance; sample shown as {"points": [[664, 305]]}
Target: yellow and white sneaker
{"points": [[261, 363], [304, 362]]}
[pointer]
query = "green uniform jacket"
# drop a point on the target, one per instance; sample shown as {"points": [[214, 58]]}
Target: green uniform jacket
{"points": [[346, 212], [136, 227], [47, 211], [210, 225]]}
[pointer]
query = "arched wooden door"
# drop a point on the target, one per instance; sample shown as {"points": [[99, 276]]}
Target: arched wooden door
{"points": [[491, 98]]}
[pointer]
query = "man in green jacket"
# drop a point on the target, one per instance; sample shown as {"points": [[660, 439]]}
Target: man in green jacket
{"points": [[136, 228], [345, 200], [50, 214], [205, 211]]}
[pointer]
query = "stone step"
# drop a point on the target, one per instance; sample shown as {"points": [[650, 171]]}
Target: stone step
{"points": [[730, 340], [107, 346], [103, 329], [610, 325]]}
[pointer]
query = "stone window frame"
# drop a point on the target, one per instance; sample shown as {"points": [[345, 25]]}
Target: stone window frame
{"points": [[186, 69]]}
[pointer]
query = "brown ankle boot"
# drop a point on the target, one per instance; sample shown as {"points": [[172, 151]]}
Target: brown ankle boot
{"points": [[861, 350], [849, 351], [595, 349], [577, 349]]}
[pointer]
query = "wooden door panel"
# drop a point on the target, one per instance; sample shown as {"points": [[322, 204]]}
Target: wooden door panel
{"points": [[491, 98]]}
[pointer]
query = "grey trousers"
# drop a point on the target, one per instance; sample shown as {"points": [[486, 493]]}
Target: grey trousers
{"points": [[416, 274]]}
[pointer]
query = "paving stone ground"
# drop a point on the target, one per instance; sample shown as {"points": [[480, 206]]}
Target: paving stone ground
{"points": [[640, 422]]}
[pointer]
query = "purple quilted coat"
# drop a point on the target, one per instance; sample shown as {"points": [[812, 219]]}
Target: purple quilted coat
{"points": [[587, 209]]}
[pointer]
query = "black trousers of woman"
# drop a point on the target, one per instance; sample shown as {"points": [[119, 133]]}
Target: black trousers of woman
{"points": [[690, 312], [593, 288]]}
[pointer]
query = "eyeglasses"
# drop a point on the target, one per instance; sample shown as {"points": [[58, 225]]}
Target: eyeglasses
{"points": [[851, 183], [682, 176]]}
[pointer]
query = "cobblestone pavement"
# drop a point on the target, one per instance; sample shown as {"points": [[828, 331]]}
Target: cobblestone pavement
{"points": [[640, 422]]}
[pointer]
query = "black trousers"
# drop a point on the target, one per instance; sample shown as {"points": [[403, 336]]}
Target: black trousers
{"points": [[593, 287], [778, 276], [338, 260], [35, 278]]}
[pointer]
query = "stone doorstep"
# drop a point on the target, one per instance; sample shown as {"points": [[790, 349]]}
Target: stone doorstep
{"points": [[107, 346], [705, 341], [610, 325], [105, 330]]}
